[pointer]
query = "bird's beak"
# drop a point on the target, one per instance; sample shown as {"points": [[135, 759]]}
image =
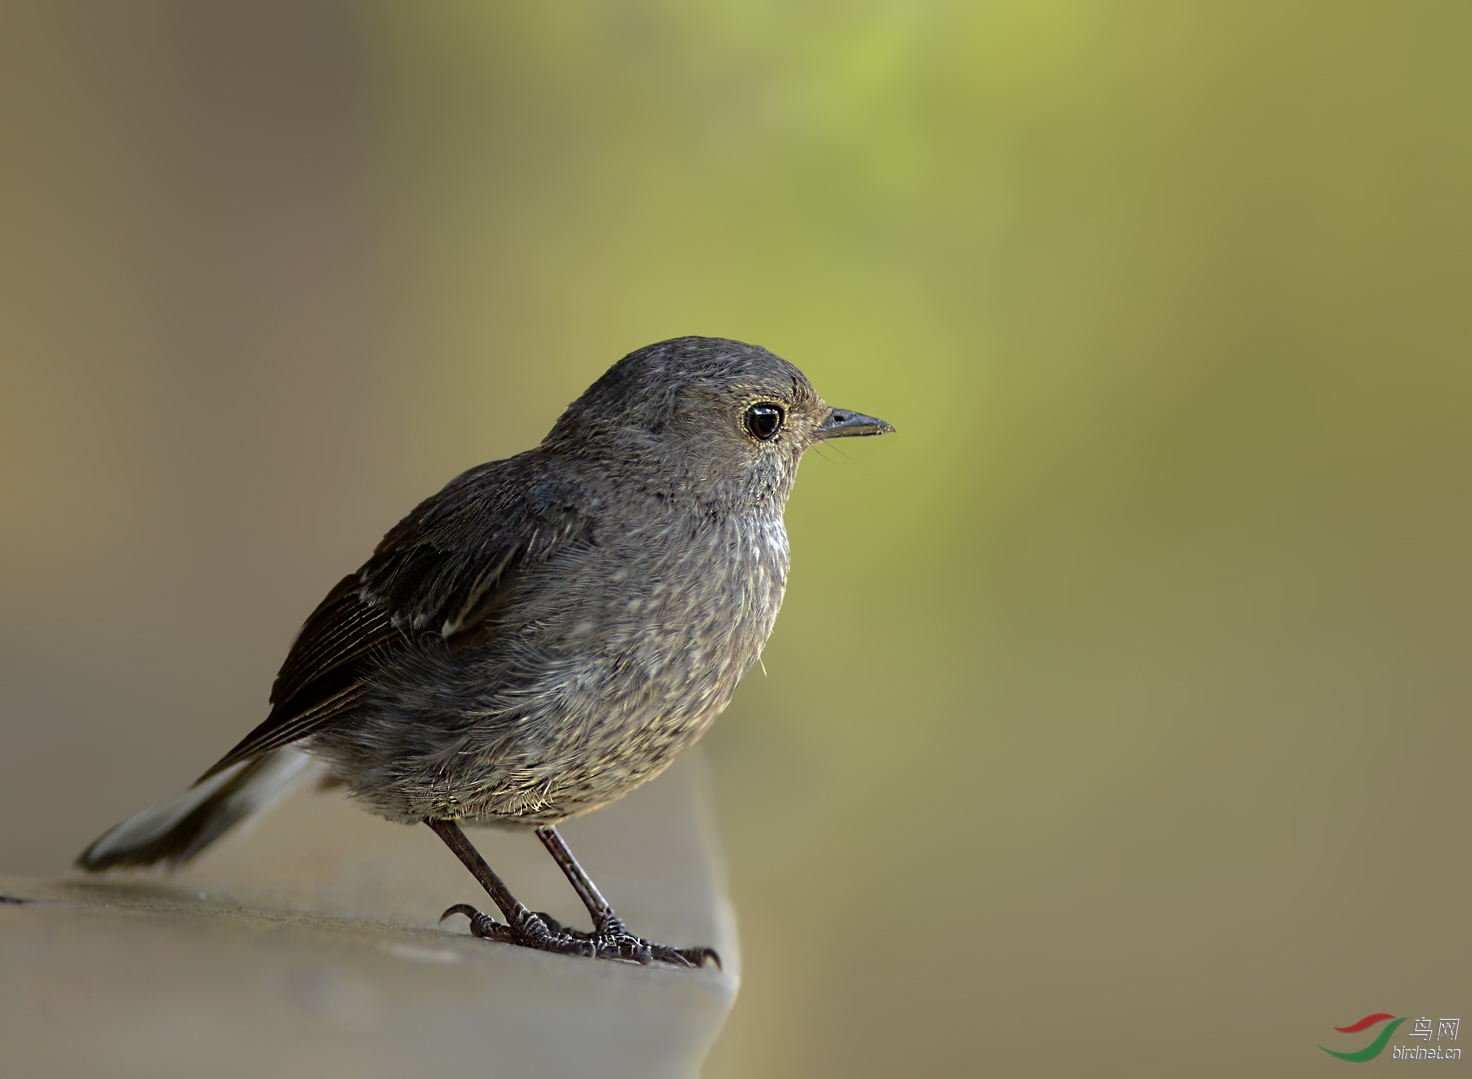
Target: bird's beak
{"points": [[841, 423]]}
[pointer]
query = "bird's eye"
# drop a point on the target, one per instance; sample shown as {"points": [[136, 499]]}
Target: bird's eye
{"points": [[763, 421]]}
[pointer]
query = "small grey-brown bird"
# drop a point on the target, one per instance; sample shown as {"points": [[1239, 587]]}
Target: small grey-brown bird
{"points": [[542, 635]]}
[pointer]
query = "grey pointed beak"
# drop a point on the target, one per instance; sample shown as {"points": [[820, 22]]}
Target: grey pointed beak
{"points": [[841, 423]]}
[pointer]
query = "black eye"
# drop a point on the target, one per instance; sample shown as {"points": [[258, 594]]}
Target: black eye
{"points": [[764, 420]]}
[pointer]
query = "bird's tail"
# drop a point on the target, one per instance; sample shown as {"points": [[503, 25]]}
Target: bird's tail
{"points": [[176, 830]]}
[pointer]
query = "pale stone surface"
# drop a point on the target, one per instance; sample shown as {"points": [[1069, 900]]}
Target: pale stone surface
{"points": [[310, 947]]}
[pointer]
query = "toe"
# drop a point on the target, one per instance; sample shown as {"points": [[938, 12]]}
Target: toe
{"points": [[481, 925]]}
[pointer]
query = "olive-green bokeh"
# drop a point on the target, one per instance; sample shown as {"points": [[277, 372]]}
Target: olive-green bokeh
{"points": [[1116, 721]]}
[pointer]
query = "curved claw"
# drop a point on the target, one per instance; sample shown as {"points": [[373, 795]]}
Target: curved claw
{"points": [[461, 908], [694, 958], [698, 957], [482, 925]]}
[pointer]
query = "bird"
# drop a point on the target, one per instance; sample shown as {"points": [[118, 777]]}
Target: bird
{"points": [[541, 636]]}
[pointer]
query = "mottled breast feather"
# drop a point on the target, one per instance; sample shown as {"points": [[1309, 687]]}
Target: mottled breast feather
{"points": [[589, 675]]}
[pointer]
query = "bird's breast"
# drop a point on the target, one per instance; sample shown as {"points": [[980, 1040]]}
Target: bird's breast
{"points": [[594, 685], [695, 612]]}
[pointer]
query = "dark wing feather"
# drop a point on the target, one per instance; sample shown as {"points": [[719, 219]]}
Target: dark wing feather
{"points": [[341, 630], [445, 569], [323, 673]]}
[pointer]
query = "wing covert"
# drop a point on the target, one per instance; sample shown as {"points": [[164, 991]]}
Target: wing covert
{"points": [[443, 570]]}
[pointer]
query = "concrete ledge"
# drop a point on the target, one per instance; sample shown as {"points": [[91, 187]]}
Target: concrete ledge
{"points": [[310, 947]]}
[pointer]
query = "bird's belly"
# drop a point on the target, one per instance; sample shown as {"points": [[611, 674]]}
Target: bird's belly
{"points": [[619, 719], [579, 708]]}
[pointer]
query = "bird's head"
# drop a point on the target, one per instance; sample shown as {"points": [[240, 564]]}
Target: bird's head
{"points": [[704, 418]]}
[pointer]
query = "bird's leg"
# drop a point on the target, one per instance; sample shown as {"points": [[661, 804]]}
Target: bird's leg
{"points": [[522, 925], [610, 936], [605, 921]]}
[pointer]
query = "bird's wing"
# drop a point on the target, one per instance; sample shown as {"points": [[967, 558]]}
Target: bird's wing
{"points": [[445, 569]]}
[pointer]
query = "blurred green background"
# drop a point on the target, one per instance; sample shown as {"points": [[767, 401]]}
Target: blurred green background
{"points": [[1116, 721]]}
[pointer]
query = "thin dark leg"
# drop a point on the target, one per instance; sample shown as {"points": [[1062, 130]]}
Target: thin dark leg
{"points": [[598, 907], [525, 927], [490, 880], [609, 939], [609, 933]]}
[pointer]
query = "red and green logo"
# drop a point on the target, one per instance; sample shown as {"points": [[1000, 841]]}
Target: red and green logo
{"points": [[1371, 1051]]}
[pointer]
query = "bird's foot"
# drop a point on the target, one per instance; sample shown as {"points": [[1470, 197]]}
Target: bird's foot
{"points": [[609, 941], [614, 941]]}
